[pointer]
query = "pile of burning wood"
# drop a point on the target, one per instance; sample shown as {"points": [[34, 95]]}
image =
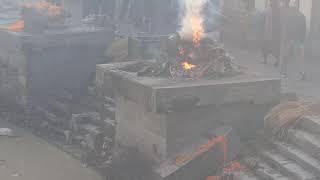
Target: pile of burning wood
{"points": [[42, 15], [183, 59], [206, 59], [36, 17]]}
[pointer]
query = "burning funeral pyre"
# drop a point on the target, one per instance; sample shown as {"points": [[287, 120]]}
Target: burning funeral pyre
{"points": [[38, 16], [203, 59], [190, 53], [188, 59]]}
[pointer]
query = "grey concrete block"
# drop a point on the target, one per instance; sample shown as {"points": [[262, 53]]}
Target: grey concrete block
{"points": [[146, 120], [245, 175], [286, 166], [311, 124], [156, 93], [53, 61], [307, 142], [296, 154], [266, 172]]}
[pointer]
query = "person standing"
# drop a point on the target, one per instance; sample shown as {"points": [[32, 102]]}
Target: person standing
{"points": [[294, 34], [272, 32]]}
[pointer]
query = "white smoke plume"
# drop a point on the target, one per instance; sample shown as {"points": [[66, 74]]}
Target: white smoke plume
{"points": [[190, 9]]}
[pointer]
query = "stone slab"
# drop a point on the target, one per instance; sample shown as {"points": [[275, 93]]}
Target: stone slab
{"points": [[307, 142], [39, 65], [311, 124], [171, 132], [286, 166], [245, 175], [266, 172], [302, 158], [156, 93]]}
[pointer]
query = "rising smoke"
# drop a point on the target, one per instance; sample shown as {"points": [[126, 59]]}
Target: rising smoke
{"points": [[189, 10], [208, 11]]}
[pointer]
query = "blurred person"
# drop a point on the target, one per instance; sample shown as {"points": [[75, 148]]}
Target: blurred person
{"points": [[294, 34], [271, 42]]}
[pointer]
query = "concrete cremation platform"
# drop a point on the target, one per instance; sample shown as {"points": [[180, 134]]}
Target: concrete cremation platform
{"points": [[51, 62], [152, 115]]}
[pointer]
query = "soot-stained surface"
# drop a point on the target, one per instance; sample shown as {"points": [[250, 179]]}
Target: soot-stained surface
{"points": [[27, 157]]}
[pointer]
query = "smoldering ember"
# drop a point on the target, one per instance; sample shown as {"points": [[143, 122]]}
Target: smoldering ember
{"points": [[159, 90]]}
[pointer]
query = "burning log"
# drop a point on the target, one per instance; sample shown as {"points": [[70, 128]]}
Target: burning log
{"points": [[181, 59], [37, 17], [17, 26]]}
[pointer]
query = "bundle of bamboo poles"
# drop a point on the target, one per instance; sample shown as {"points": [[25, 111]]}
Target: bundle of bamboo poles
{"points": [[287, 114]]}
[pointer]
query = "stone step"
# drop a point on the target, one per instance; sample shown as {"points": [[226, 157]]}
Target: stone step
{"points": [[286, 166], [308, 142], [245, 175], [265, 172], [298, 155], [310, 124]]}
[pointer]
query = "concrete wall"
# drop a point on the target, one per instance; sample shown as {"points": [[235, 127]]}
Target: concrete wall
{"points": [[260, 5], [13, 80], [306, 9], [143, 130], [38, 66], [162, 135], [185, 128]]}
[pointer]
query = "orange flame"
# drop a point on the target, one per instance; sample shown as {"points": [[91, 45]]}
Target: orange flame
{"points": [[233, 167], [213, 178], [18, 26], [222, 140], [229, 168], [51, 9], [188, 66], [197, 30]]}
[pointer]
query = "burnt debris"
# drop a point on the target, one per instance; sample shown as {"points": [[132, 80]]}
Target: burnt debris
{"points": [[180, 59]]}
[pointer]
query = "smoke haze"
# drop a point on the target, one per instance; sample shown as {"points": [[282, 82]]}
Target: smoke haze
{"points": [[188, 10]]}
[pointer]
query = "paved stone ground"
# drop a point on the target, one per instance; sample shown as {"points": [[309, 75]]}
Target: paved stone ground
{"points": [[27, 157], [309, 89]]}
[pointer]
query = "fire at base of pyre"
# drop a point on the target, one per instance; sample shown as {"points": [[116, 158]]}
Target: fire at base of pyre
{"points": [[182, 59], [38, 16]]}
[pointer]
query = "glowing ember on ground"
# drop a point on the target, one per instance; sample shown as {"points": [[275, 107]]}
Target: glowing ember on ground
{"points": [[188, 66], [233, 167]]}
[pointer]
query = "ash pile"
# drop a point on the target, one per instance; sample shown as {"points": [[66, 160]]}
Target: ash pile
{"points": [[183, 58]]}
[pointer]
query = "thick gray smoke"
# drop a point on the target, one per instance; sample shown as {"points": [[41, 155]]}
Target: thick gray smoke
{"points": [[208, 11], [191, 15]]}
